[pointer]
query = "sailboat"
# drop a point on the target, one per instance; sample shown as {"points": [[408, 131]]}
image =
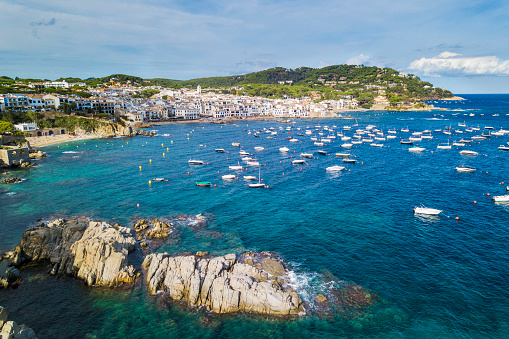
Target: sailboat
{"points": [[259, 184]]}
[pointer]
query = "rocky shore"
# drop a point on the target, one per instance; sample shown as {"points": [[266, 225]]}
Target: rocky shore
{"points": [[249, 282], [10, 329]]}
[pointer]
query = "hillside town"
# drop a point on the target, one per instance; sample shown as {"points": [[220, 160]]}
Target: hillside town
{"points": [[185, 104]]}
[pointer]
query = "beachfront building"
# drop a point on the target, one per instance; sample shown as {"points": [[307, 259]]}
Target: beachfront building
{"points": [[15, 102], [26, 127], [187, 113], [134, 118]]}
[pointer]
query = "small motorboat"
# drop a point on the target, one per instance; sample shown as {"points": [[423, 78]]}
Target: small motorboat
{"points": [[306, 155], [203, 183], [195, 162], [219, 150], [335, 168], [466, 152], [501, 198], [249, 177], [343, 155], [259, 148], [298, 161], [503, 148], [236, 168], [284, 149], [426, 210], [416, 149], [243, 153], [376, 145], [158, 179], [349, 161], [322, 152], [235, 144], [346, 145], [253, 163], [293, 140], [406, 142], [465, 169], [228, 177]]}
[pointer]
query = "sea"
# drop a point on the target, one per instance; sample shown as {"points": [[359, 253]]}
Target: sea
{"points": [[439, 276]]}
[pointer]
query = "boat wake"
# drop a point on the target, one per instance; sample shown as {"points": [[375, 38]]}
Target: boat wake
{"points": [[71, 152]]}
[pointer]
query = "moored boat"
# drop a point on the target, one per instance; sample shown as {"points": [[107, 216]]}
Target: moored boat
{"points": [[203, 183], [501, 198], [335, 168], [195, 162], [426, 210], [466, 152], [465, 169]]}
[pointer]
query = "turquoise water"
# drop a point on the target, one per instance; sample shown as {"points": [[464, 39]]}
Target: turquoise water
{"points": [[438, 277]]}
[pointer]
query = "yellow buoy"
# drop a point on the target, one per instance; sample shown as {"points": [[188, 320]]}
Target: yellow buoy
{"points": [[150, 182], [167, 148], [150, 160], [162, 145], [163, 154], [172, 141], [140, 168]]}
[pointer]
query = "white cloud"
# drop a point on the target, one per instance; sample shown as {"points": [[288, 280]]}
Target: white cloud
{"points": [[448, 63], [359, 60]]}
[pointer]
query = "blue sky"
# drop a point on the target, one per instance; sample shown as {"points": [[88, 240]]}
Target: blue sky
{"points": [[459, 45]]}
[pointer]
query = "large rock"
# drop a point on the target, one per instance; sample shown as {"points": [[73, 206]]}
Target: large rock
{"points": [[92, 251], [222, 284], [101, 255], [10, 329]]}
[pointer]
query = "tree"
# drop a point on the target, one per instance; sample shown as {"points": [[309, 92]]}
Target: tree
{"points": [[5, 127]]}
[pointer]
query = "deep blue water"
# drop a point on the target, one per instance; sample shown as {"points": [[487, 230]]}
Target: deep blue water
{"points": [[438, 277]]}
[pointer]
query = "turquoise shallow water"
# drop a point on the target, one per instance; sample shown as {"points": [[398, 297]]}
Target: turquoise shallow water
{"points": [[439, 277]]}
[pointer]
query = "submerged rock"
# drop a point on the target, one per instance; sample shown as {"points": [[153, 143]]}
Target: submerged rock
{"points": [[10, 329], [12, 180], [92, 251], [222, 284]]}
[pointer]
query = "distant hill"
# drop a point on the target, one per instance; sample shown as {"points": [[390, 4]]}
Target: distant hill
{"points": [[332, 82]]}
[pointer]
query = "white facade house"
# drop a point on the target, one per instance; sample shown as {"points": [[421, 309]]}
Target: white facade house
{"points": [[26, 127], [187, 113]]}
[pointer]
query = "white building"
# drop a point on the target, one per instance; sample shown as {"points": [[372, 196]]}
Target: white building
{"points": [[187, 113], [25, 127]]}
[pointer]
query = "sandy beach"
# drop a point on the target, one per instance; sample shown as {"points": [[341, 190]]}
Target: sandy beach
{"points": [[36, 142]]}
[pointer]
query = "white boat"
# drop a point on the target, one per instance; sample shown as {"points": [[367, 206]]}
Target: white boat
{"points": [[356, 142], [237, 167], [259, 184], [376, 145], [392, 131], [306, 155], [391, 137], [501, 198], [284, 149], [253, 163], [415, 139], [503, 148], [426, 210], [235, 144], [345, 138], [195, 162], [247, 159], [349, 161], [465, 169], [405, 130], [228, 177], [458, 144], [316, 143], [219, 150], [444, 146], [335, 168], [462, 124], [249, 177], [293, 140], [416, 149], [346, 145], [243, 153], [298, 161], [158, 179], [465, 152], [259, 148], [478, 137]]}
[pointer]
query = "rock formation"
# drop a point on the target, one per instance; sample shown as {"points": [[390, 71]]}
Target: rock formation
{"points": [[92, 251], [12, 180], [9, 329], [36, 154], [223, 284], [155, 229]]}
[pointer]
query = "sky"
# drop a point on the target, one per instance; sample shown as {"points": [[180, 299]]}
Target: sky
{"points": [[462, 45]]}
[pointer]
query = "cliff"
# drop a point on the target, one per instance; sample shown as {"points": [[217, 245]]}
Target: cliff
{"points": [[10, 329]]}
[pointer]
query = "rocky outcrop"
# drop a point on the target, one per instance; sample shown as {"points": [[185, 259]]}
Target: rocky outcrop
{"points": [[107, 130], [34, 154], [92, 251], [153, 229], [12, 180], [222, 284], [10, 329]]}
